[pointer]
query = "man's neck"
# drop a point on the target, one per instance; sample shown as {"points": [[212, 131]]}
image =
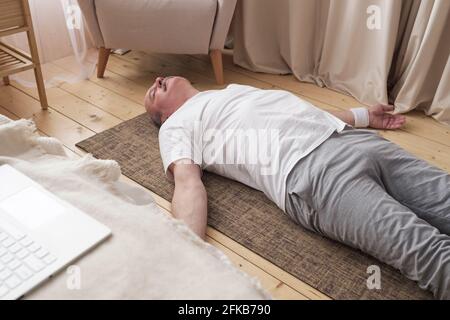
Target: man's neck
{"points": [[192, 92], [189, 94]]}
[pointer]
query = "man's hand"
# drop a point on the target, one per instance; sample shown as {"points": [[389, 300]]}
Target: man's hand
{"points": [[379, 118]]}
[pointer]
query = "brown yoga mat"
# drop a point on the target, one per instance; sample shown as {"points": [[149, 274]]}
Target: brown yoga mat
{"points": [[248, 217]]}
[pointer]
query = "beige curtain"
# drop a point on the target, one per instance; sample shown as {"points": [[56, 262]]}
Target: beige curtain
{"points": [[421, 70], [375, 50]]}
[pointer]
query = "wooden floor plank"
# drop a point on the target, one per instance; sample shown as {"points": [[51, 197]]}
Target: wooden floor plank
{"points": [[71, 105], [112, 81], [87, 98], [7, 113], [50, 121]]}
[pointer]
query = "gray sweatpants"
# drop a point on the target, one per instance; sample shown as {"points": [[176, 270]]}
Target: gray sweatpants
{"points": [[360, 189]]}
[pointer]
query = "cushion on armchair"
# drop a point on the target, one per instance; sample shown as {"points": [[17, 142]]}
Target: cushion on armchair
{"points": [[176, 26]]}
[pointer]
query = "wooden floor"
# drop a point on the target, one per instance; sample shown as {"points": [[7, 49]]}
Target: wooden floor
{"points": [[79, 110]]}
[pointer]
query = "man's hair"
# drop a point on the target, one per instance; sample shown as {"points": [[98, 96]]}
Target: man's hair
{"points": [[156, 118]]}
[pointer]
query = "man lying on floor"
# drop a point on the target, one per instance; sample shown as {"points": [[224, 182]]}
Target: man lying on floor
{"points": [[350, 185]]}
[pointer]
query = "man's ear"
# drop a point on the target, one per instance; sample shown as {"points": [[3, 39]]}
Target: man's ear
{"points": [[146, 104]]}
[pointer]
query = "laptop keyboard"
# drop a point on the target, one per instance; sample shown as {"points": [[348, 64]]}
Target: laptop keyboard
{"points": [[20, 258]]}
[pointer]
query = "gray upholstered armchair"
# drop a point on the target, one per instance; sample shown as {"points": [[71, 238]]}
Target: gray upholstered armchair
{"points": [[166, 26]]}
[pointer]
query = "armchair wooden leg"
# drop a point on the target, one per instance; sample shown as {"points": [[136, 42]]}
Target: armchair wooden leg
{"points": [[216, 60], [41, 87], [6, 80], [103, 56]]}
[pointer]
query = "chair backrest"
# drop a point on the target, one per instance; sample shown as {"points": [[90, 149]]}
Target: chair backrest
{"points": [[12, 14]]}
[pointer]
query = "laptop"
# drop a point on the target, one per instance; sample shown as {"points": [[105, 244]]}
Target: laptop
{"points": [[39, 233]]}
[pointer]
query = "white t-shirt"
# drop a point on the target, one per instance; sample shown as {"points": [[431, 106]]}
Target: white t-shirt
{"points": [[247, 134]]}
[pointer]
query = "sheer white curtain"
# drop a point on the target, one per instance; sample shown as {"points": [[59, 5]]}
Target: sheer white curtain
{"points": [[60, 32]]}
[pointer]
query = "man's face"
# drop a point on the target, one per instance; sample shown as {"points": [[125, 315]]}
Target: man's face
{"points": [[165, 96]]}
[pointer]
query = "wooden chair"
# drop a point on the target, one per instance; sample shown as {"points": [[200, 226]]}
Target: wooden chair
{"points": [[15, 17]]}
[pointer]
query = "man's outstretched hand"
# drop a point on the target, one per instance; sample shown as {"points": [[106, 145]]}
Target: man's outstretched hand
{"points": [[379, 118]]}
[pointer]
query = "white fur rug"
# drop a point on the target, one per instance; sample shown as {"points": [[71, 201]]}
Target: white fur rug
{"points": [[149, 256]]}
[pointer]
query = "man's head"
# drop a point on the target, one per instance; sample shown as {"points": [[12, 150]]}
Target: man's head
{"points": [[166, 95]]}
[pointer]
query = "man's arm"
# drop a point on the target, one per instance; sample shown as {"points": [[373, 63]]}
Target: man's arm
{"points": [[189, 202], [379, 117]]}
